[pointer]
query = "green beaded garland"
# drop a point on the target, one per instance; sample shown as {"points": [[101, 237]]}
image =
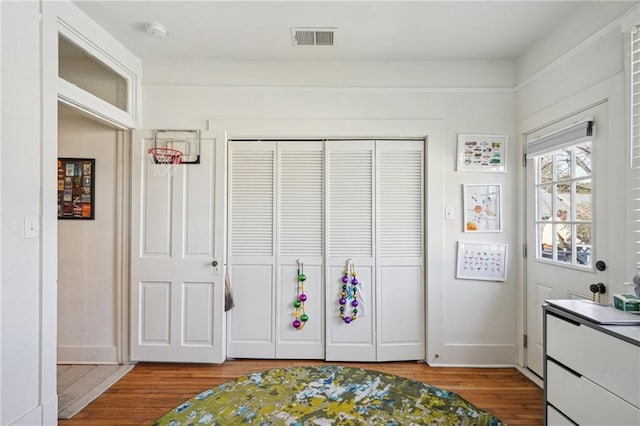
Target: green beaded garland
{"points": [[341, 308], [304, 317], [302, 277], [297, 304]]}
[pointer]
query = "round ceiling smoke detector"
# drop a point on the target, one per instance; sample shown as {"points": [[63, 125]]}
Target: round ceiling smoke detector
{"points": [[157, 30]]}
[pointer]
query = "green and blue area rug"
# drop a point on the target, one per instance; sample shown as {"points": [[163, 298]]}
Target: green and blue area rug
{"points": [[325, 395]]}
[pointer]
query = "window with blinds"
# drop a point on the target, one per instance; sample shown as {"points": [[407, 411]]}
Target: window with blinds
{"points": [[563, 194], [635, 136]]}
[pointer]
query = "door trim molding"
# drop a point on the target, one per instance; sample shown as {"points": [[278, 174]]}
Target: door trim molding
{"points": [[431, 130], [122, 255]]}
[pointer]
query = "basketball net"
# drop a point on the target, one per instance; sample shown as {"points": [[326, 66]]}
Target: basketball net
{"points": [[165, 161]]}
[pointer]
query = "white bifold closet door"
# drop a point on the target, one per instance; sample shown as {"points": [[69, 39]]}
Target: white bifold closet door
{"points": [[276, 217], [324, 203], [375, 218]]}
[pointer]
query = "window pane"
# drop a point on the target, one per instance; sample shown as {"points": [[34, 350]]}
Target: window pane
{"points": [[545, 168], [583, 244], [563, 242], [583, 160], [563, 198], [545, 247], [563, 164], [583, 200], [85, 71], [544, 202]]}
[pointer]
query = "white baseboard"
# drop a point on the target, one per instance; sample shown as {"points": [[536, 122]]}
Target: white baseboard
{"points": [[68, 354], [474, 355]]}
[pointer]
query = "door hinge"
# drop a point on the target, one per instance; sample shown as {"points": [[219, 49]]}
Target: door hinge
{"points": [[524, 340], [524, 250], [524, 160]]}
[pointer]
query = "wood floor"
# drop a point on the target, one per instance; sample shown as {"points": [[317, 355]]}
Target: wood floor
{"points": [[150, 390]]}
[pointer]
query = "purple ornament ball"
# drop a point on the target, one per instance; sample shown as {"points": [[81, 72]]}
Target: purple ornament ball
{"points": [[354, 303], [345, 279], [296, 324], [342, 301], [347, 320], [354, 281], [302, 297]]}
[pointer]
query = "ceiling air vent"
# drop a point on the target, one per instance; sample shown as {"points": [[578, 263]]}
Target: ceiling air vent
{"points": [[312, 36]]}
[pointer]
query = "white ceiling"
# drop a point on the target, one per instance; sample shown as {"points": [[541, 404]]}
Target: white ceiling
{"points": [[366, 30]]}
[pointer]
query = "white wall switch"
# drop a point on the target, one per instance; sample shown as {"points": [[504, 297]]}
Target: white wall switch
{"points": [[31, 226], [449, 213]]}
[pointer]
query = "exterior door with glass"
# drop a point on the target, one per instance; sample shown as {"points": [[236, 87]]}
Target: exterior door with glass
{"points": [[566, 235]]}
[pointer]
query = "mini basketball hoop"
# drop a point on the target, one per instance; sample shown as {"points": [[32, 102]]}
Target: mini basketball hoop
{"points": [[165, 160]]}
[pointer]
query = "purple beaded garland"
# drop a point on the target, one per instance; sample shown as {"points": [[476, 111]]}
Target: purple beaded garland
{"points": [[349, 270], [300, 299]]}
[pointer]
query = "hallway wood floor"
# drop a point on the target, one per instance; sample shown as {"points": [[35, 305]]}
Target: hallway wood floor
{"points": [[150, 389]]}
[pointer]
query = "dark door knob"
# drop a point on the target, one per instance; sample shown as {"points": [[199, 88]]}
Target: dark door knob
{"points": [[600, 265], [214, 263]]}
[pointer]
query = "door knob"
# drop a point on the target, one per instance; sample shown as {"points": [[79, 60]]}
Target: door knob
{"points": [[600, 265], [598, 288], [214, 263]]}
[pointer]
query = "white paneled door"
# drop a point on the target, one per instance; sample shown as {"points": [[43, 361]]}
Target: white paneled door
{"points": [[176, 291], [567, 230]]}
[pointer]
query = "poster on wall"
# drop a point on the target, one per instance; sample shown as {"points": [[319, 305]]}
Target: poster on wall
{"points": [[482, 153], [482, 206], [76, 188], [479, 261]]}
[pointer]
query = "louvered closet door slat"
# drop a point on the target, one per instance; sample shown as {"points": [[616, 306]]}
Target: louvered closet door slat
{"points": [[252, 179], [400, 203], [301, 204], [350, 203]]}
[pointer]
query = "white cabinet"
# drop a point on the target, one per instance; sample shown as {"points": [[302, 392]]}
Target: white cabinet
{"points": [[592, 370]]}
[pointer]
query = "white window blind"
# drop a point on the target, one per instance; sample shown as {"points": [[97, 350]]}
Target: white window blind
{"points": [[635, 136], [561, 138]]}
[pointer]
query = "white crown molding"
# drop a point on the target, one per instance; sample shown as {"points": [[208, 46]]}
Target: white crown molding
{"points": [[568, 54]]}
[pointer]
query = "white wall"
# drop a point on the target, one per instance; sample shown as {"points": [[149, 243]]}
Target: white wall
{"points": [[477, 317], [87, 250], [27, 388], [589, 72]]}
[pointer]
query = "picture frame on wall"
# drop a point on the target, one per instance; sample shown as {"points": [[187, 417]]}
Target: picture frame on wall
{"points": [[76, 188], [482, 153], [482, 208], [480, 261]]}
